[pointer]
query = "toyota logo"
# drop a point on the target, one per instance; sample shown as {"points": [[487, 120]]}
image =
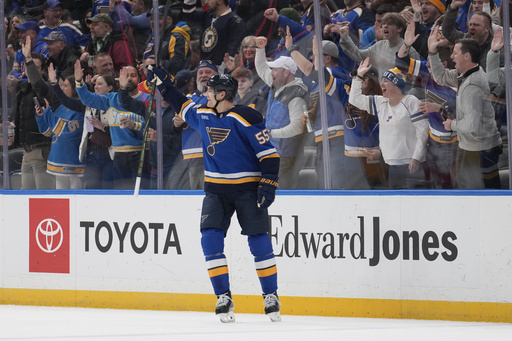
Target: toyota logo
{"points": [[50, 231]]}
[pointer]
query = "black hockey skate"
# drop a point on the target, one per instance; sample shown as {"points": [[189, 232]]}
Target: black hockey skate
{"points": [[272, 306], [225, 308]]}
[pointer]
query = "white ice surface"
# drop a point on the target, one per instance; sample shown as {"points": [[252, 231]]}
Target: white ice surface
{"points": [[56, 323]]}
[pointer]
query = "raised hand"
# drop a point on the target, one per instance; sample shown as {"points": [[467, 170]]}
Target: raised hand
{"points": [[457, 3], [363, 68], [271, 14], [432, 41], [341, 30], [497, 41], [315, 47], [288, 41], [407, 15], [416, 6], [123, 79], [26, 48], [231, 62], [409, 35], [160, 77], [261, 42], [52, 74], [79, 72], [327, 30]]}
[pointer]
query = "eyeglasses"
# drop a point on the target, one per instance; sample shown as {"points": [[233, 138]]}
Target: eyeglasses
{"points": [[247, 46]]}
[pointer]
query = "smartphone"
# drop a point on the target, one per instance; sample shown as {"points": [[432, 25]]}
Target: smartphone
{"points": [[36, 102]]}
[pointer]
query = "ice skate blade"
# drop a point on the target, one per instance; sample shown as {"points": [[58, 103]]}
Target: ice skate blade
{"points": [[227, 318], [274, 317]]}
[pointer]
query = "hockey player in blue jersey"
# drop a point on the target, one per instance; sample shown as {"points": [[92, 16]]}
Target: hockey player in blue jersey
{"points": [[241, 173]]}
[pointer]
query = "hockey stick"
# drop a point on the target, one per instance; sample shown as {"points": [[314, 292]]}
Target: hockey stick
{"points": [[151, 100]]}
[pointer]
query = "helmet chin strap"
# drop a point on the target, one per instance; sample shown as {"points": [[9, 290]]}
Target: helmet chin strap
{"points": [[216, 104]]}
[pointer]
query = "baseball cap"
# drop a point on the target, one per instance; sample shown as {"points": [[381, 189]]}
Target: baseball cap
{"points": [[284, 62], [52, 3], [54, 36], [100, 17], [28, 25], [330, 49], [182, 79], [207, 63]]}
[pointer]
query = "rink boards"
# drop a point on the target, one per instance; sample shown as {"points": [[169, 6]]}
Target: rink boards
{"points": [[421, 255]]}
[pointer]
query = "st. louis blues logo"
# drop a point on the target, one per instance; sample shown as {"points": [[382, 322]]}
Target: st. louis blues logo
{"points": [[216, 135], [210, 38]]}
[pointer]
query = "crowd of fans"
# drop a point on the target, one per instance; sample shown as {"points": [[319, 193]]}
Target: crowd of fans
{"points": [[414, 90]]}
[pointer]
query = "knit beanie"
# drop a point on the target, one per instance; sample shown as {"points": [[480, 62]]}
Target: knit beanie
{"points": [[440, 5], [290, 13], [396, 77]]}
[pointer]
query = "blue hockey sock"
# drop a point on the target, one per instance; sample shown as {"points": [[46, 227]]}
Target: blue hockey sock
{"points": [[265, 261], [212, 241]]}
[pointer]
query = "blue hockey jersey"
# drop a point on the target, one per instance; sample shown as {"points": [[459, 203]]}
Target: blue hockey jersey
{"points": [[65, 128], [236, 146], [123, 140]]}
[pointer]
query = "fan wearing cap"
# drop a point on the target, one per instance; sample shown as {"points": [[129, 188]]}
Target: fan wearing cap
{"points": [[62, 123], [346, 172], [403, 129], [426, 12], [175, 40], [222, 30], [104, 39], [28, 29], [288, 100], [36, 146], [52, 14], [241, 168], [62, 55]]}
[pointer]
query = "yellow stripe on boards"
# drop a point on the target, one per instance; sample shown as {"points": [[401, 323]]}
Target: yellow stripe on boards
{"points": [[291, 305]]}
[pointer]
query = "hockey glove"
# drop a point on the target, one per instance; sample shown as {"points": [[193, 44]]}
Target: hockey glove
{"points": [[267, 190], [163, 79]]}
